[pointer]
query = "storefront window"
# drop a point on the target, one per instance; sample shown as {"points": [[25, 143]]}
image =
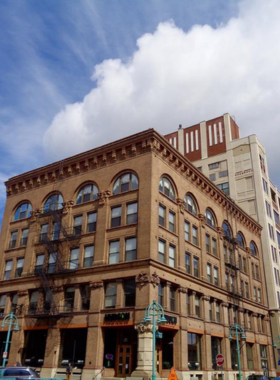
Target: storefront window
{"points": [[194, 351], [263, 352], [73, 347], [216, 349], [234, 359], [250, 360]]}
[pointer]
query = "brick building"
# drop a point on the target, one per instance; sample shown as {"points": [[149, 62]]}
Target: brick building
{"points": [[87, 243]]}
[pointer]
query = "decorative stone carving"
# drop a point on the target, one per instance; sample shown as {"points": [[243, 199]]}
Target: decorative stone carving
{"points": [[96, 285], [23, 293], [181, 204], [103, 197], [144, 328], [143, 279], [181, 289], [67, 206], [206, 298], [224, 304]]}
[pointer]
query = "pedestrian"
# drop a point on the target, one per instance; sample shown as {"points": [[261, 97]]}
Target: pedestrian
{"points": [[68, 371]]}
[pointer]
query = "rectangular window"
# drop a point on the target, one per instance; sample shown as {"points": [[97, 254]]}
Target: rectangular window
{"points": [[215, 165], [34, 297], [195, 267], [197, 305], [160, 294], [218, 314], [132, 213], [210, 310], [257, 272], [3, 299], [253, 270], [161, 216], [44, 232], [91, 221], [88, 256], [214, 247], [77, 229], [188, 263], [207, 242], [255, 293], [19, 267], [14, 302], [209, 273], [114, 251], [171, 221], [259, 296], [129, 292], [172, 256], [74, 258], [187, 231], [69, 297], [276, 217], [271, 231], [224, 187], [223, 173], [194, 352], [172, 295], [216, 276], [188, 300], [268, 209], [39, 265], [24, 237], [111, 294], [242, 288], [161, 251], [264, 360], [8, 269], [212, 177], [85, 297], [116, 214], [130, 249], [56, 231], [244, 265], [195, 235], [273, 253], [13, 239], [52, 262], [247, 290], [265, 187]]}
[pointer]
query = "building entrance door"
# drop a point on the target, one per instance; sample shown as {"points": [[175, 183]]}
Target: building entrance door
{"points": [[124, 360], [159, 358]]}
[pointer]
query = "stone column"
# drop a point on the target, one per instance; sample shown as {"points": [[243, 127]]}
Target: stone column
{"points": [[51, 353], [145, 351]]}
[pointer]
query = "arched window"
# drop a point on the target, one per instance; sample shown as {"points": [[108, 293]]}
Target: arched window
{"points": [[253, 248], [226, 230], [240, 240], [190, 204], [167, 188], [210, 219], [23, 211], [54, 202], [125, 182], [87, 193]]}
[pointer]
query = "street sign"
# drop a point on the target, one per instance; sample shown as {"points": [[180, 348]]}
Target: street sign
{"points": [[5, 355], [220, 359]]}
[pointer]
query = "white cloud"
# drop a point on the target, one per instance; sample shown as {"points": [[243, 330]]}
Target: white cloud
{"points": [[176, 77]]}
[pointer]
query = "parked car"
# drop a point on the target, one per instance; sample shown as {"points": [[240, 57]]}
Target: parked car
{"points": [[256, 377], [18, 373]]}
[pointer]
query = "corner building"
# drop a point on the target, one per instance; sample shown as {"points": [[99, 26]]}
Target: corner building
{"points": [[88, 243]]}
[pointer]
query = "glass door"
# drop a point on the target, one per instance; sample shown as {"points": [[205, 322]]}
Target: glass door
{"points": [[124, 360]]}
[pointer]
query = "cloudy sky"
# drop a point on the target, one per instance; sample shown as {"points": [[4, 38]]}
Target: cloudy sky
{"points": [[78, 74]]}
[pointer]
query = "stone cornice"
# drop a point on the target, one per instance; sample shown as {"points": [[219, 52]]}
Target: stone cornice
{"points": [[120, 150]]}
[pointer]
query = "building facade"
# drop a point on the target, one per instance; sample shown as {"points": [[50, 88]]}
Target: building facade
{"points": [[238, 166], [88, 243]]}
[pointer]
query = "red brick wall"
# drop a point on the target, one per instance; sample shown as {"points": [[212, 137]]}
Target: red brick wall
{"points": [[219, 144]]}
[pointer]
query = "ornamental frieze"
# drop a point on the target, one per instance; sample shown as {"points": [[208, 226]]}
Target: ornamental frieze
{"points": [[144, 279]]}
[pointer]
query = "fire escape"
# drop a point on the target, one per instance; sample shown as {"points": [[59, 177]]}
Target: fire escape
{"points": [[56, 241]]}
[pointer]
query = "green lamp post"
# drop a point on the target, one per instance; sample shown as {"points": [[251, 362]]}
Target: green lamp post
{"points": [[154, 313], [237, 331], [12, 321]]}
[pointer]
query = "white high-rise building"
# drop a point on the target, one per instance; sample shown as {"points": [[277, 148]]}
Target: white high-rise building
{"points": [[238, 166]]}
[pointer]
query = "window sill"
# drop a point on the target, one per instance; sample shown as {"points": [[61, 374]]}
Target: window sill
{"points": [[121, 227], [167, 230]]}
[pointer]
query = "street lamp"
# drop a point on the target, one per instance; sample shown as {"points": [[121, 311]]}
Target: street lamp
{"points": [[10, 320], [152, 311], [236, 330]]}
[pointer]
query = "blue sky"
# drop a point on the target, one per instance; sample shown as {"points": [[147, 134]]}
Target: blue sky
{"points": [[73, 73]]}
